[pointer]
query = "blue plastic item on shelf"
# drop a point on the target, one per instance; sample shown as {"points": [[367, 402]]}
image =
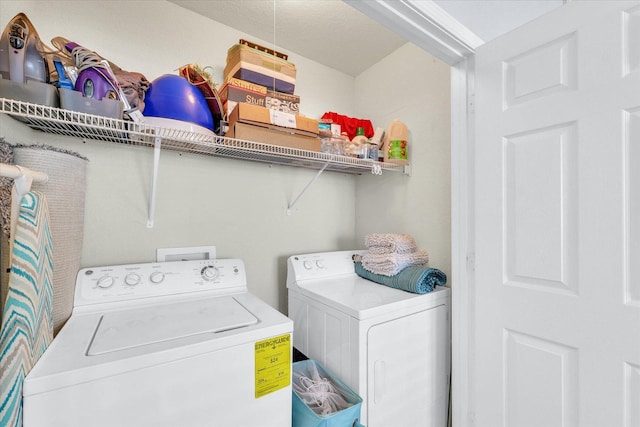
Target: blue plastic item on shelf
{"points": [[173, 97]]}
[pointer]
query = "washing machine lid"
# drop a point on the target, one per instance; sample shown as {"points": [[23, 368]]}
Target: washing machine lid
{"points": [[67, 361], [362, 298], [121, 330]]}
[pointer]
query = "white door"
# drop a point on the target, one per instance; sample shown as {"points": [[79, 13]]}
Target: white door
{"points": [[557, 297]]}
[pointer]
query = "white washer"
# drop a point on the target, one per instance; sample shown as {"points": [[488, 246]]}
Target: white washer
{"points": [[392, 347], [165, 344]]}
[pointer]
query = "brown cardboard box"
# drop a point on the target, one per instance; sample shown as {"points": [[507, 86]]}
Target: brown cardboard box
{"points": [[253, 123], [236, 90], [265, 135], [230, 92], [247, 85], [283, 102], [246, 63], [254, 114]]}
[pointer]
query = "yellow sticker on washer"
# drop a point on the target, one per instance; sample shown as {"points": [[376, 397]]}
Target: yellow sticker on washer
{"points": [[273, 364]]}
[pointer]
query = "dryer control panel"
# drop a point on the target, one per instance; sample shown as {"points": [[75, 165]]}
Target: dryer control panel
{"points": [[320, 265], [134, 281]]}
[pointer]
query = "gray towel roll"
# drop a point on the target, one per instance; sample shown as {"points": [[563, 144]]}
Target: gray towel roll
{"points": [[65, 192]]}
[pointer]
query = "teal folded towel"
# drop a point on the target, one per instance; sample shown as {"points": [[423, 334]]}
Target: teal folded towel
{"points": [[417, 279]]}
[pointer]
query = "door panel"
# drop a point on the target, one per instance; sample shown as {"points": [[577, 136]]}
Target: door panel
{"points": [[557, 309], [632, 146], [631, 40], [543, 70], [541, 382], [540, 234]]}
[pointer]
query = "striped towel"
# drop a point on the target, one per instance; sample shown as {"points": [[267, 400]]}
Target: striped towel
{"points": [[27, 319], [416, 279], [392, 264], [387, 243]]}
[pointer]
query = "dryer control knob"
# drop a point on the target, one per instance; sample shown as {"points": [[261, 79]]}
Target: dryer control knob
{"points": [[132, 279], [320, 264], [209, 273], [307, 265], [105, 282], [156, 277]]}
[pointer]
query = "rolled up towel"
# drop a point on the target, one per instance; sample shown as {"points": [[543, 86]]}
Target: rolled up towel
{"points": [[416, 279], [392, 264], [388, 243]]}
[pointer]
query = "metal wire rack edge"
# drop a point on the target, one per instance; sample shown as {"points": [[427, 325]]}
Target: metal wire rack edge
{"points": [[83, 125]]}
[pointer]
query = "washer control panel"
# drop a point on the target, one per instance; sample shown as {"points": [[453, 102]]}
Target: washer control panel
{"points": [[133, 281]]}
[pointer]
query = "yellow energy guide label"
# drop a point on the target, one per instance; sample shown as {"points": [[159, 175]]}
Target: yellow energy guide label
{"points": [[273, 364]]}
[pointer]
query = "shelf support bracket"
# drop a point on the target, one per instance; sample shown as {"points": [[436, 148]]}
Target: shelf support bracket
{"points": [[317, 175], [152, 197]]}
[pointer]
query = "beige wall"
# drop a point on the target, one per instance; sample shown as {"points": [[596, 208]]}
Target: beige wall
{"points": [[236, 205], [414, 87]]}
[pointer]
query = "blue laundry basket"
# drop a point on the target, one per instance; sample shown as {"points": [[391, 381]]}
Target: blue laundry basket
{"points": [[304, 416]]}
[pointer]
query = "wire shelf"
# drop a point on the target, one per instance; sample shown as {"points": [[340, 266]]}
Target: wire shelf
{"points": [[89, 126]]}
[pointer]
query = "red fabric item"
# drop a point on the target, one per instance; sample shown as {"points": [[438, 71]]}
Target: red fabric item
{"points": [[350, 125]]}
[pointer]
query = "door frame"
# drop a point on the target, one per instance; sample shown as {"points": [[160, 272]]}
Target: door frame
{"points": [[462, 242], [428, 26]]}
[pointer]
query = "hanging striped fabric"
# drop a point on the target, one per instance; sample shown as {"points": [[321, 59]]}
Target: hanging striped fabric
{"points": [[27, 319]]}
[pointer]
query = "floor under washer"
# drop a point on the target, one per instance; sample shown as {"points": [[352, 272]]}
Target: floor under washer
{"points": [[165, 344]]}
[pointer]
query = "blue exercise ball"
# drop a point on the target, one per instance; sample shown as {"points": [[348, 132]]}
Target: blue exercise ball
{"points": [[173, 97]]}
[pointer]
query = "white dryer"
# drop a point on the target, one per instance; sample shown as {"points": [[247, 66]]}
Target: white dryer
{"points": [[392, 347], [165, 344]]}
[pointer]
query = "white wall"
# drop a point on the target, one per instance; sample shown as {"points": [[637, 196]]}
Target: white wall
{"points": [[236, 205], [414, 87]]}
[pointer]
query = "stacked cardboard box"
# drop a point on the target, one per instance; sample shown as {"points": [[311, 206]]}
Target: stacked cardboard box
{"points": [[259, 101], [255, 64], [236, 90], [259, 124]]}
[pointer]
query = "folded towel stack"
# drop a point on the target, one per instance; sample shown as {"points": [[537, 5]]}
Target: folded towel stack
{"points": [[392, 264], [388, 254], [417, 279], [386, 243]]}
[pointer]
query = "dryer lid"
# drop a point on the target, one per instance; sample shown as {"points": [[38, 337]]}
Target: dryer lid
{"points": [[362, 299], [120, 330]]}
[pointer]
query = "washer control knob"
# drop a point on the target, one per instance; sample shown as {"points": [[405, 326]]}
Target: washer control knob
{"points": [[132, 279], [209, 273], [320, 263], [307, 265], [105, 282], [156, 277]]}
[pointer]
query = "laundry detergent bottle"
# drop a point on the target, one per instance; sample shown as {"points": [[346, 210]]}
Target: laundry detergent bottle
{"points": [[396, 144]]}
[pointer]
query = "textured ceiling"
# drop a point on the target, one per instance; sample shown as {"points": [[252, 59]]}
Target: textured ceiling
{"points": [[327, 31], [337, 35]]}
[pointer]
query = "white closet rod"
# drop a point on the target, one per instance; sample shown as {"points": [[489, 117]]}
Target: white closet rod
{"points": [[12, 171]]}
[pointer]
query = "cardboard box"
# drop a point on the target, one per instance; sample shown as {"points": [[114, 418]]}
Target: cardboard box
{"points": [[236, 90], [281, 138], [247, 85], [253, 123], [252, 65], [286, 102], [254, 114], [229, 92]]}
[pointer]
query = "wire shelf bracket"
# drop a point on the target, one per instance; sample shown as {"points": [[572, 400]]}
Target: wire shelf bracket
{"points": [[157, 145], [295, 200]]}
